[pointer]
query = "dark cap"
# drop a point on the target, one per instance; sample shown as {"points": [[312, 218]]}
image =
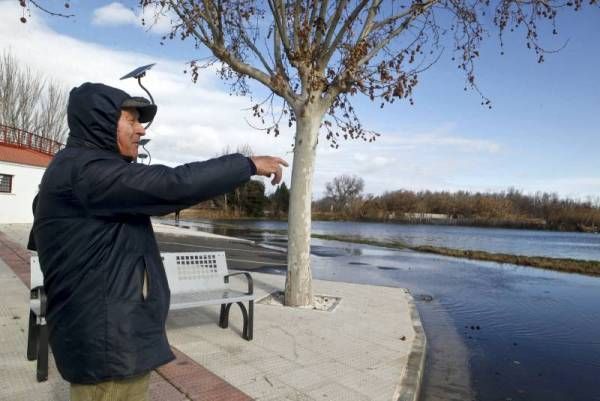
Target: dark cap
{"points": [[146, 109]]}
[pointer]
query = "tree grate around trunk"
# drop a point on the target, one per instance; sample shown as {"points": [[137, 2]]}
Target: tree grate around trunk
{"points": [[324, 303]]}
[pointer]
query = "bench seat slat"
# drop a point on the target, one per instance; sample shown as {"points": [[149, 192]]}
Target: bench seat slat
{"points": [[215, 297]]}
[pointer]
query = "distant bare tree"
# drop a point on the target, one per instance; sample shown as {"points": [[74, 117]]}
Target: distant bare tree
{"points": [[343, 190], [51, 115], [31, 103], [233, 198]]}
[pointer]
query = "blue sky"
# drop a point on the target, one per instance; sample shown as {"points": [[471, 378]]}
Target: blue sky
{"points": [[542, 133]]}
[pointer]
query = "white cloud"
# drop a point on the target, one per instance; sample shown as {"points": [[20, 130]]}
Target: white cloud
{"points": [[151, 18], [114, 14], [455, 142]]}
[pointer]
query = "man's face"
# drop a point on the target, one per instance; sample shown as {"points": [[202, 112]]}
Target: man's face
{"points": [[129, 132]]}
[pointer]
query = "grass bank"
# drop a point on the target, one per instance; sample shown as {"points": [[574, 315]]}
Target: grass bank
{"points": [[588, 267]]}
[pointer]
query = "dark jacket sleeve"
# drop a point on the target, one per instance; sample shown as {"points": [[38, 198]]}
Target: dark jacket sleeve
{"points": [[109, 187]]}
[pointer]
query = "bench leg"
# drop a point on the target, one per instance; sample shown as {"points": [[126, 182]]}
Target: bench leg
{"points": [[32, 337], [250, 330], [224, 316], [245, 316], [42, 360]]}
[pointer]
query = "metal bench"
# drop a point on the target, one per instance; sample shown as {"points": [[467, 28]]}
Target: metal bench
{"points": [[37, 338], [195, 279], [202, 278]]}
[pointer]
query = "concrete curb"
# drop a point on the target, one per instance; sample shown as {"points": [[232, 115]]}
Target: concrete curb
{"points": [[409, 389]]}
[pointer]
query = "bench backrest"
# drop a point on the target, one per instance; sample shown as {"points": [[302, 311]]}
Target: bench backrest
{"points": [[195, 271], [186, 271], [36, 276]]}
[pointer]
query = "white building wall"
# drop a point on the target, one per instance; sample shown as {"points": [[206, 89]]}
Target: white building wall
{"points": [[16, 206]]}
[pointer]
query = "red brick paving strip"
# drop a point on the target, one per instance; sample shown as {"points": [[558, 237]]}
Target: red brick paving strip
{"points": [[16, 257], [181, 380], [197, 382]]}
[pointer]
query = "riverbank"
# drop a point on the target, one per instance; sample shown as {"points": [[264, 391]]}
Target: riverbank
{"points": [[588, 267]]}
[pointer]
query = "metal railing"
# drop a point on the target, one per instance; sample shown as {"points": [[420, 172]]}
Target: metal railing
{"points": [[27, 140]]}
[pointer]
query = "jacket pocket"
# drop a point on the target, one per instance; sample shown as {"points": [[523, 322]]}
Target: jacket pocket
{"points": [[158, 287], [126, 279], [145, 283], [133, 326]]}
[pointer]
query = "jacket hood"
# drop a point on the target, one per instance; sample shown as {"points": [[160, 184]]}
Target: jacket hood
{"points": [[92, 114]]}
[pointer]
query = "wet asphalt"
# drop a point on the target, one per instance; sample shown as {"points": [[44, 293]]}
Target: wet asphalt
{"points": [[240, 255]]}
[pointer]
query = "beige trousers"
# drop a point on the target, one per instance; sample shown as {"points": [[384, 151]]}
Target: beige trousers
{"points": [[131, 389]]}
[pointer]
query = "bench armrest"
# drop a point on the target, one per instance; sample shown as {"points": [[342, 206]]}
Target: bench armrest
{"points": [[248, 277], [38, 293]]}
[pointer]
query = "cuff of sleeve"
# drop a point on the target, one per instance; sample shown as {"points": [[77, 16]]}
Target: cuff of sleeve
{"points": [[252, 166]]}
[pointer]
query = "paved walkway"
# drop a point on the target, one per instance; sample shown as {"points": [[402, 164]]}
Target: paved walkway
{"points": [[370, 347]]}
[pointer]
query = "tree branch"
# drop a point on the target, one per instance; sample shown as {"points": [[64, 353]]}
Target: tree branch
{"points": [[313, 15], [203, 35], [279, 67], [50, 12], [280, 88], [219, 50], [420, 9], [210, 20], [380, 24], [296, 29], [254, 49], [341, 5], [280, 25], [342, 32], [367, 26], [320, 30]]}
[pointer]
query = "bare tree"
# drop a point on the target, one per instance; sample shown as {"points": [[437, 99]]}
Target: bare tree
{"points": [[314, 55], [247, 151], [29, 102], [51, 115], [343, 190]]}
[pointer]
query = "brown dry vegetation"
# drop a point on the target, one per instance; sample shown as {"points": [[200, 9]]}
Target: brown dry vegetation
{"points": [[511, 209]]}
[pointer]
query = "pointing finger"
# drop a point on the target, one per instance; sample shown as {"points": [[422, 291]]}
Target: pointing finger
{"points": [[277, 177]]}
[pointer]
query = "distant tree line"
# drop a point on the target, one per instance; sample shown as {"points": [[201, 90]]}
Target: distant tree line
{"points": [[511, 208], [248, 200], [344, 200]]}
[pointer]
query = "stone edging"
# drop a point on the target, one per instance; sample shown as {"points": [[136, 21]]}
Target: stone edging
{"points": [[409, 388]]}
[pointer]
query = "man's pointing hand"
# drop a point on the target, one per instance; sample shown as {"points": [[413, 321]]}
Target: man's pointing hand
{"points": [[267, 165]]}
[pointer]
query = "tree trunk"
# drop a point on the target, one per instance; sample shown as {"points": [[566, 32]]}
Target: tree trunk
{"points": [[298, 285]]}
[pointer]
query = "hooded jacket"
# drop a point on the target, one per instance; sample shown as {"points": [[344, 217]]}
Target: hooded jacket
{"points": [[95, 242]]}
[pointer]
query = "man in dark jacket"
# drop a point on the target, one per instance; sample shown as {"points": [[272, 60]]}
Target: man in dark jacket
{"points": [[106, 287]]}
